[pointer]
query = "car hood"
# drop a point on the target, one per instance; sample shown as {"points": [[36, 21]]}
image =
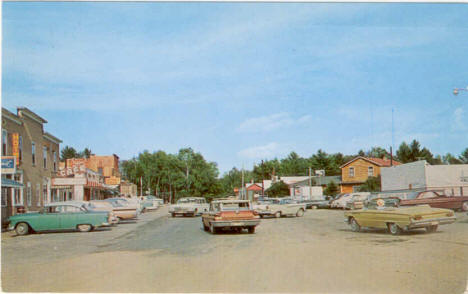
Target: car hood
{"points": [[184, 205]]}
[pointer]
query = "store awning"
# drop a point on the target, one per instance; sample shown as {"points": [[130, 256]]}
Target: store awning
{"points": [[11, 184]]}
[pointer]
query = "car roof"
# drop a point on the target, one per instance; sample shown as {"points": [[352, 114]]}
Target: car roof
{"points": [[191, 198], [230, 201], [72, 203]]}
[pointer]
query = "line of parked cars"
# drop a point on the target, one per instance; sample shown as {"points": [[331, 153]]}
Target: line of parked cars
{"points": [[83, 216]]}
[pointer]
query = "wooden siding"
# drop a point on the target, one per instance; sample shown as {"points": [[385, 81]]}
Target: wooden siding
{"points": [[360, 171]]}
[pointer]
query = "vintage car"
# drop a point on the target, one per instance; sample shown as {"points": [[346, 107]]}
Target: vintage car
{"points": [[148, 203], [341, 201], [398, 219], [357, 201], [59, 216], [282, 207], [313, 204], [101, 205], [436, 199], [123, 209], [230, 214], [189, 206]]}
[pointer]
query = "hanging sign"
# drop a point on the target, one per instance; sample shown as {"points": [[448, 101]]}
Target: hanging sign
{"points": [[8, 165]]}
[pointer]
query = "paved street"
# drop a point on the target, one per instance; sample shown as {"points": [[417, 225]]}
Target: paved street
{"points": [[315, 253]]}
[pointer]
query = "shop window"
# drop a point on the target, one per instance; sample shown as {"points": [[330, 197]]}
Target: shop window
{"points": [[44, 156], [351, 172], [4, 196], [18, 200], [4, 142], [38, 194], [44, 192], [29, 194], [33, 152], [20, 147], [18, 193]]}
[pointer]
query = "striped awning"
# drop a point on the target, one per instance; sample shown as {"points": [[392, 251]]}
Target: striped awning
{"points": [[11, 184]]}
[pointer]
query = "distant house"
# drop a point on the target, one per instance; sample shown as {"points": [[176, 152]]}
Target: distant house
{"points": [[304, 191], [355, 172], [419, 176]]}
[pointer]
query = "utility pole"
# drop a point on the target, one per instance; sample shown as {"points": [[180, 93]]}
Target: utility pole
{"points": [[310, 183], [243, 185], [141, 186], [263, 175]]}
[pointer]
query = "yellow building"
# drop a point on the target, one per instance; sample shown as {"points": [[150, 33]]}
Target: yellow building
{"points": [[355, 172]]}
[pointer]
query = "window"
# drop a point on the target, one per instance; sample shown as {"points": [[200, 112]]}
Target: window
{"points": [[18, 193], [351, 171], [44, 192], [370, 171], [20, 147], [29, 194], [55, 161], [4, 142], [44, 156], [426, 195], [4, 196], [38, 194], [33, 152]]}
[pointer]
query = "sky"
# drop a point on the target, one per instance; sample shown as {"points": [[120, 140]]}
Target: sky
{"points": [[239, 82]]}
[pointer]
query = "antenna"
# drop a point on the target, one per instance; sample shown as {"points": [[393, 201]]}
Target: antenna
{"points": [[393, 133]]}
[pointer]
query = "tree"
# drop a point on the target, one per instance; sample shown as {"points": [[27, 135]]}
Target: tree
{"points": [[279, 188], [450, 159], [377, 152], [372, 184], [86, 153], [464, 156], [331, 189], [67, 153], [413, 152]]}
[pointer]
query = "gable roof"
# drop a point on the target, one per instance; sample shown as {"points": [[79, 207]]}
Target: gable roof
{"points": [[254, 187], [377, 161]]}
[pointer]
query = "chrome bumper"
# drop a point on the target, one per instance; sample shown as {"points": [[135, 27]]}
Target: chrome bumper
{"points": [[236, 223], [431, 222]]}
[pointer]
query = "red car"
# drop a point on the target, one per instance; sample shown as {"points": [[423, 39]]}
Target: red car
{"points": [[435, 199]]}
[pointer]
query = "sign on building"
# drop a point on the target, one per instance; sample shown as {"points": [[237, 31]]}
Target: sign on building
{"points": [[15, 146], [8, 164]]}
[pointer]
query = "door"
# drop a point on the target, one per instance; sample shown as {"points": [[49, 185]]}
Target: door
{"points": [[48, 220]]}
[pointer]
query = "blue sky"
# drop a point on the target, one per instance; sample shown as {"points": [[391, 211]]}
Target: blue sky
{"points": [[239, 82]]}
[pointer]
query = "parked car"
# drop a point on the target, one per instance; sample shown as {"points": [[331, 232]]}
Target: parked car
{"points": [[357, 201], [148, 203], [436, 199], [189, 206], [398, 219], [313, 204], [341, 201], [230, 214], [101, 205], [59, 216], [261, 204], [123, 209], [282, 207]]}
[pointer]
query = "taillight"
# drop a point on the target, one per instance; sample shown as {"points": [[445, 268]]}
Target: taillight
{"points": [[418, 217], [449, 213]]}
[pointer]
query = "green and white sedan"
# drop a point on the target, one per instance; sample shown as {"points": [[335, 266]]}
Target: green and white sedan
{"points": [[59, 216]]}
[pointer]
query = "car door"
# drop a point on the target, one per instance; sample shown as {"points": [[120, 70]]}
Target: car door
{"points": [[48, 220], [68, 217]]}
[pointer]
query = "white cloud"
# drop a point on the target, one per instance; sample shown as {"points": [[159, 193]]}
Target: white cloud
{"points": [[272, 122], [262, 152]]}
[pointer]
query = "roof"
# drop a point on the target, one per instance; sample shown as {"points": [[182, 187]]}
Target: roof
{"points": [[72, 203], [319, 181], [52, 138], [254, 187], [230, 201], [377, 161], [30, 114]]}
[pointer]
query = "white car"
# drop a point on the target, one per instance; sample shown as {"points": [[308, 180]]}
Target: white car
{"points": [[341, 201], [189, 206], [282, 207]]}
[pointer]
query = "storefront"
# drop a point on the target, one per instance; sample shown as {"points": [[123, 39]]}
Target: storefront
{"points": [[12, 189]]}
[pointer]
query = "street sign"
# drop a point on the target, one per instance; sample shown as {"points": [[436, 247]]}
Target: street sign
{"points": [[8, 165]]}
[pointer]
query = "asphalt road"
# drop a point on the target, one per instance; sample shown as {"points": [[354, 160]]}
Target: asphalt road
{"points": [[316, 253]]}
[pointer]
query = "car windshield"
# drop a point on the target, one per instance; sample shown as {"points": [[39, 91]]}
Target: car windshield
{"points": [[236, 206], [186, 201]]}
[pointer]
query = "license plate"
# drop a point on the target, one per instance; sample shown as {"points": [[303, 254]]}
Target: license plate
{"points": [[237, 224]]}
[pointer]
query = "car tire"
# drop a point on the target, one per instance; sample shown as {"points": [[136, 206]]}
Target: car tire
{"points": [[251, 230], [205, 228], [464, 206], [300, 212], [173, 214], [84, 227], [355, 227], [394, 229], [213, 230], [431, 229], [22, 229], [261, 215], [278, 214]]}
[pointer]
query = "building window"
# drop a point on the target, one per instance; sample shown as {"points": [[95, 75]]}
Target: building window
{"points": [[4, 142], [4, 196], [55, 161], [18, 193], [33, 152], [351, 171], [29, 194], [20, 147], [38, 194], [370, 171], [44, 156], [44, 192]]}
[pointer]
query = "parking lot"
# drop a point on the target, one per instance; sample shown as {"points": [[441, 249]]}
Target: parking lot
{"points": [[314, 253]]}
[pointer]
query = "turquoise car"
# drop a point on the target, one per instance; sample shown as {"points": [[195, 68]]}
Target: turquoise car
{"points": [[59, 216]]}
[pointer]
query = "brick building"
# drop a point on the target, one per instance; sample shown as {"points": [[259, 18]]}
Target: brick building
{"points": [[36, 153], [107, 166]]}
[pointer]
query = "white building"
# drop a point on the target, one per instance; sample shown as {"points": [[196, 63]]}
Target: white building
{"points": [[419, 175]]}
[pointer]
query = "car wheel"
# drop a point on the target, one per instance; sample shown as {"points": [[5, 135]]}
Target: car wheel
{"points": [[173, 214], [144, 210], [394, 229], [261, 215], [465, 206], [84, 228], [355, 227], [213, 230], [22, 229], [251, 230], [431, 229], [300, 212], [278, 214], [205, 228]]}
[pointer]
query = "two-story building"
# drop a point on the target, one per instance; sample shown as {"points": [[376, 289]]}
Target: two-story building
{"points": [[37, 158], [356, 172]]}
